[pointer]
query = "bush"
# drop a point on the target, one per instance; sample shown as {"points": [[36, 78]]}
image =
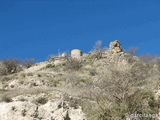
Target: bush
{"points": [[147, 58], [28, 63], [98, 50], [73, 64], [9, 66], [41, 100], [5, 98], [151, 59], [92, 72], [132, 50], [119, 92], [50, 66], [39, 75]]}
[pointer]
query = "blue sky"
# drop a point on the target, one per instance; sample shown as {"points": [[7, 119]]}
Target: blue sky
{"points": [[38, 28]]}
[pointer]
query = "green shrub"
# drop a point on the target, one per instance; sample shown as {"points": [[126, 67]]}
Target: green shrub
{"points": [[24, 112], [55, 82], [61, 64], [50, 66], [119, 92], [39, 75], [153, 104], [73, 64], [41, 100], [5, 98], [92, 72]]}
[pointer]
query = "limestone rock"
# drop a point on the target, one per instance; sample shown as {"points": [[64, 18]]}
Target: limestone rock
{"points": [[76, 53], [115, 47], [29, 111], [57, 107]]}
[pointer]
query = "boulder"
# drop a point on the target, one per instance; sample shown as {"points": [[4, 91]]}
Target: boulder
{"points": [[115, 47]]}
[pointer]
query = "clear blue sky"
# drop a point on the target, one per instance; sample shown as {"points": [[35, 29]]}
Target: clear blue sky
{"points": [[38, 28]]}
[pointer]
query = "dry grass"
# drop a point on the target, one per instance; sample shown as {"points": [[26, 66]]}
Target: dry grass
{"points": [[73, 64], [111, 93], [32, 91], [104, 92]]}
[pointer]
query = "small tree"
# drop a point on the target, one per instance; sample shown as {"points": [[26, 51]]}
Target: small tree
{"points": [[147, 58], [97, 51], [28, 62], [9, 66], [73, 64], [132, 50]]}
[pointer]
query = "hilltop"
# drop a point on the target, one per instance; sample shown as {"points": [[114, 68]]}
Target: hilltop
{"points": [[101, 85]]}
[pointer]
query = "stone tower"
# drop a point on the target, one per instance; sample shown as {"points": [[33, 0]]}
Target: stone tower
{"points": [[76, 53]]}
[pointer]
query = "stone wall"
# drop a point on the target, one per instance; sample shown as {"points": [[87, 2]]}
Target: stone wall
{"points": [[76, 53]]}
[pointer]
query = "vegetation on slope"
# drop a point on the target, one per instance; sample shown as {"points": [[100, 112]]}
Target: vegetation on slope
{"points": [[106, 89]]}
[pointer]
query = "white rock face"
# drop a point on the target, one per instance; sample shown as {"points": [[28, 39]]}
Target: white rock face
{"points": [[57, 107], [116, 55], [76, 53], [29, 111], [17, 111]]}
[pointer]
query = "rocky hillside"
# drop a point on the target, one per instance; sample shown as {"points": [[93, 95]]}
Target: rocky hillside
{"points": [[101, 85]]}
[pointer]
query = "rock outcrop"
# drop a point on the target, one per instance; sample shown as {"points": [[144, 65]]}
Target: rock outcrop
{"points": [[115, 47], [116, 55], [50, 111], [56, 108]]}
